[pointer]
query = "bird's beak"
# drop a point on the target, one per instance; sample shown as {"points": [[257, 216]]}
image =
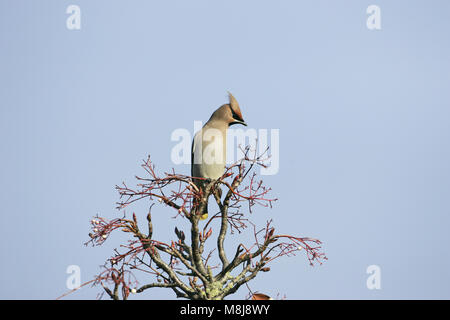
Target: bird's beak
{"points": [[243, 123], [236, 121]]}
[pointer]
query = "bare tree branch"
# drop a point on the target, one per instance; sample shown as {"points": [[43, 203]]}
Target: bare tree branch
{"points": [[179, 265]]}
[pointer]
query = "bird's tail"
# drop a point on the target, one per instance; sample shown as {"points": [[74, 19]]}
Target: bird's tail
{"points": [[201, 209]]}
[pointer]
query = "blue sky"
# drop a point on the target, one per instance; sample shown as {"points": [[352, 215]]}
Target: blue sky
{"points": [[363, 117]]}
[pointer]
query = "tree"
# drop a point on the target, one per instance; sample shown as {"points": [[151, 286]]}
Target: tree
{"points": [[183, 265]]}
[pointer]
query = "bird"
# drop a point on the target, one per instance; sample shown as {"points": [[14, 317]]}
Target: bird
{"points": [[209, 146]]}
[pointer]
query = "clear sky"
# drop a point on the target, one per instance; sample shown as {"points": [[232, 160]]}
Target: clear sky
{"points": [[363, 117]]}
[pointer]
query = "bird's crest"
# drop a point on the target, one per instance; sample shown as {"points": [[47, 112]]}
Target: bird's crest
{"points": [[234, 105]]}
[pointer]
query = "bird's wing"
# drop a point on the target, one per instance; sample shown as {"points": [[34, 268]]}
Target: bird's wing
{"points": [[192, 156], [193, 150]]}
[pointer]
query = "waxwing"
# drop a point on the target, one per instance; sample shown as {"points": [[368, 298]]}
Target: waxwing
{"points": [[210, 144]]}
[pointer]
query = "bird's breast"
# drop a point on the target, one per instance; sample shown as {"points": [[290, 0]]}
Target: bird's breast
{"points": [[209, 153]]}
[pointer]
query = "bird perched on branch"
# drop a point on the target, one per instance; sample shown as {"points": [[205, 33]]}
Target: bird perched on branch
{"points": [[209, 147]]}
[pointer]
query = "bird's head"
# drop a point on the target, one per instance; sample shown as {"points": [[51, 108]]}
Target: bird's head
{"points": [[229, 113]]}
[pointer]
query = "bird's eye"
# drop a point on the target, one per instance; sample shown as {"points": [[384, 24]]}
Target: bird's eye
{"points": [[235, 115]]}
